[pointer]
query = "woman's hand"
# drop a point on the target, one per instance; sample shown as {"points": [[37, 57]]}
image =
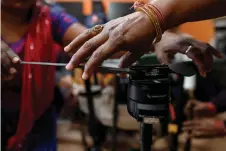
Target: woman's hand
{"points": [[204, 128], [201, 109], [8, 60], [133, 33], [200, 53]]}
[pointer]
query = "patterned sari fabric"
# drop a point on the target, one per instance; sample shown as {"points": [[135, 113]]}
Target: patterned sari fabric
{"points": [[31, 110], [38, 81]]}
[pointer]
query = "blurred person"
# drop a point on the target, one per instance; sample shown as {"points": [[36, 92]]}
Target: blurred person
{"points": [[210, 127], [30, 30], [206, 128], [206, 109], [135, 32]]}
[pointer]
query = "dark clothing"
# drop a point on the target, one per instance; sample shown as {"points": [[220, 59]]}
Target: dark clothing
{"points": [[220, 101]]}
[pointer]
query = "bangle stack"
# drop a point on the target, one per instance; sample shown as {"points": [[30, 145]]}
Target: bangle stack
{"points": [[155, 17]]}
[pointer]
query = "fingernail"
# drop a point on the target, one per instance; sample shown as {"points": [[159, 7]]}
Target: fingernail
{"points": [[12, 70], [66, 49], [15, 59], [69, 67], [84, 76]]}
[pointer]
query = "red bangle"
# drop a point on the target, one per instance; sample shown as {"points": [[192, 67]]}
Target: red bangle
{"points": [[158, 13], [154, 15]]}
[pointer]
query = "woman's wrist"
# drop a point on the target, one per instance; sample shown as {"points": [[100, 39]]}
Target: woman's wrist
{"points": [[166, 7], [143, 18]]}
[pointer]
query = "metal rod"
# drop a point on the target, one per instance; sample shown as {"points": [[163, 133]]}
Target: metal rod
{"points": [[104, 69], [145, 134], [44, 63]]}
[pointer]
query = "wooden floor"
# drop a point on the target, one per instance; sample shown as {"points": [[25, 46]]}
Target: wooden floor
{"points": [[70, 139], [70, 147]]}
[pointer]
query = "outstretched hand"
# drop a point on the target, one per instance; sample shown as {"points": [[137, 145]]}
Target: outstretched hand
{"points": [[133, 33], [200, 53]]}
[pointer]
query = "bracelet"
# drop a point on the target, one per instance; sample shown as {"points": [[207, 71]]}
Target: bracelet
{"points": [[154, 15], [159, 15], [153, 21]]}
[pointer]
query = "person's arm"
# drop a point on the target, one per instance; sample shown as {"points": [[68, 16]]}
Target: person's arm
{"points": [[135, 33], [65, 27], [177, 12]]}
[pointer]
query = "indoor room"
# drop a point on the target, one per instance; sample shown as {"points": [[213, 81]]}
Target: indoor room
{"points": [[113, 75]]}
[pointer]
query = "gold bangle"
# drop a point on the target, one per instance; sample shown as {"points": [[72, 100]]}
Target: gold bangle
{"points": [[157, 24], [154, 20]]}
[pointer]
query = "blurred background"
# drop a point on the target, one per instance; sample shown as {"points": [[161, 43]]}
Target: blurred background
{"points": [[103, 121]]}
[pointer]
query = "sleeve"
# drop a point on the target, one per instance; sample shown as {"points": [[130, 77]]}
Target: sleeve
{"points": [[61, 21], [220, 101]]}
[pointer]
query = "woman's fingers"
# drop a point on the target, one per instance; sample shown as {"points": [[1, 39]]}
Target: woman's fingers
{"points": [[86, 50], [203, 57], [102, 53], [130, 57], [197, 57], [7, 64], [216, 53], [79, 41], [8, 58], [13, 56]]}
